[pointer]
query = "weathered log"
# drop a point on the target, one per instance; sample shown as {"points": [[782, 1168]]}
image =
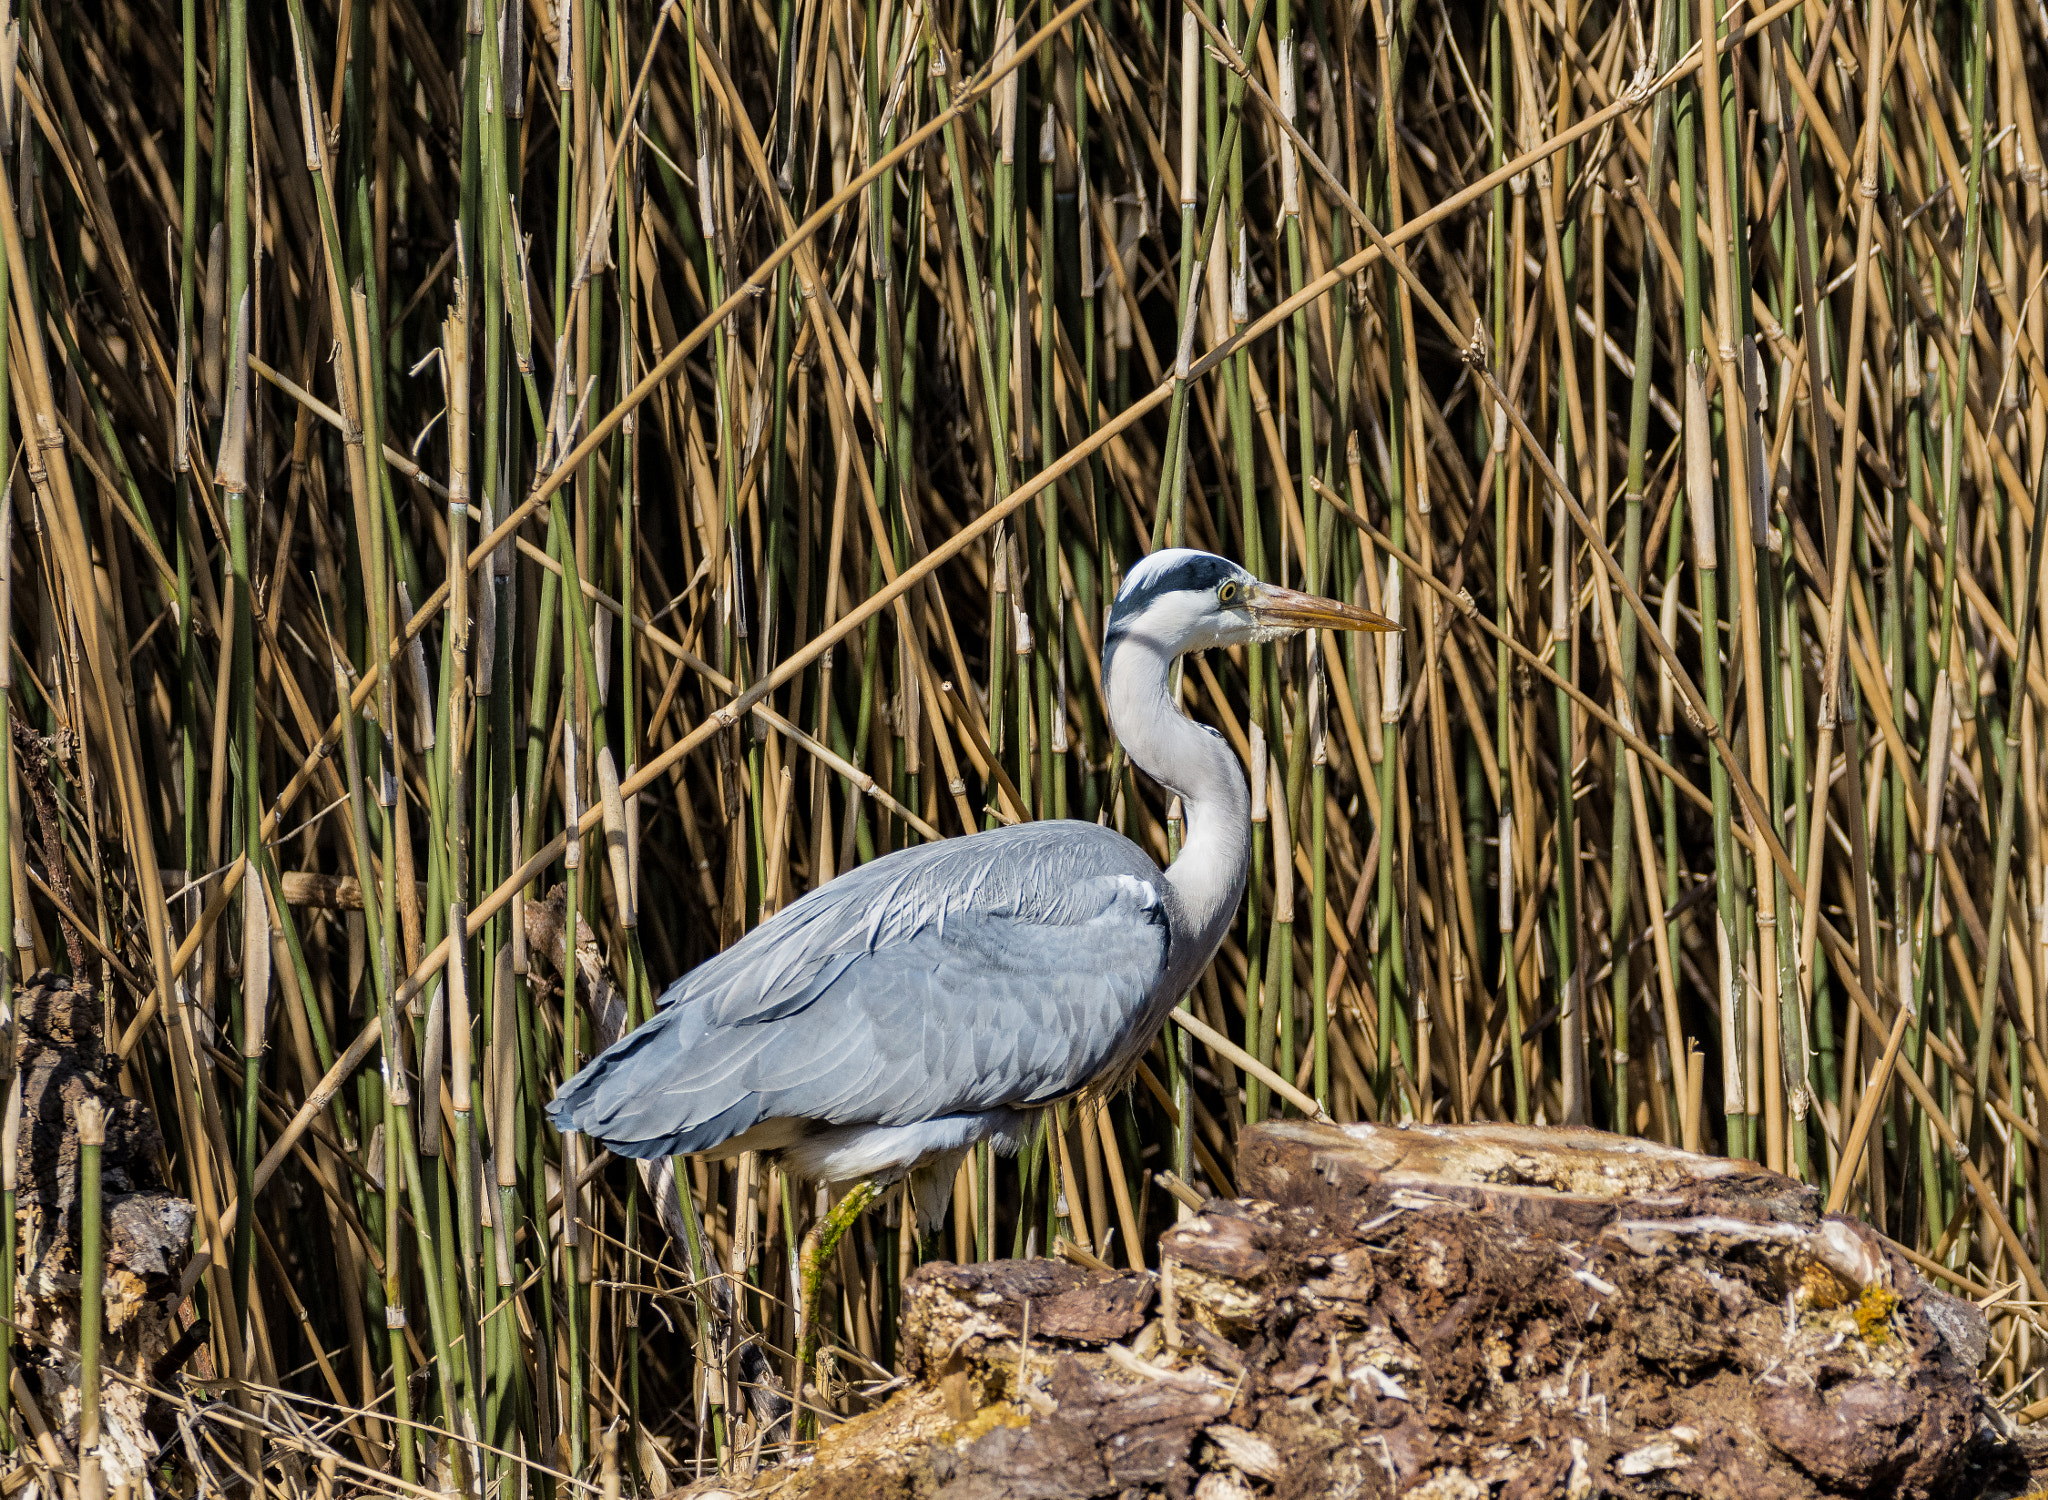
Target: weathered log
{"points": [[1445, 1312]]}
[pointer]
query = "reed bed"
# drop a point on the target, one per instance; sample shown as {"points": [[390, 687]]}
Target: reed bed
{"points": [[472, 464]]}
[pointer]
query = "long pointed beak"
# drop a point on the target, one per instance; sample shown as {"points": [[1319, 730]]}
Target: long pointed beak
{"points": [[1284, 609]]}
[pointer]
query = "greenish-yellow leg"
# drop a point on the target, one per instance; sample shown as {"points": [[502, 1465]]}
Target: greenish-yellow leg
{"points": [[818, 1248]]}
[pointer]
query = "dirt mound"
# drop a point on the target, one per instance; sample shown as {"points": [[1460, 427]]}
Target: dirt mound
{"points": [[1449, 1312]]}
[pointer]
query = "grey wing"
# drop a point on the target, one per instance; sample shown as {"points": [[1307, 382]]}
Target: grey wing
{"points": [[1007, 969]]}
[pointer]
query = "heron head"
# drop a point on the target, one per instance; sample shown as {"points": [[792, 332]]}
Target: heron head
{"points": [[1182, 600]]}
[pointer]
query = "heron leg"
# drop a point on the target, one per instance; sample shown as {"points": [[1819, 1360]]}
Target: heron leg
{"points": [[818, 1247]]}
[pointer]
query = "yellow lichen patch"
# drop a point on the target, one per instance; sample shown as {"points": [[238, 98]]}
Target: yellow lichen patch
{"points": [[1822, 1288], [988, 1419], [1873, 1314]]}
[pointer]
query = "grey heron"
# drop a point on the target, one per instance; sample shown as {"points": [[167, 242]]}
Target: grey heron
{"points": [[877, 1028]]}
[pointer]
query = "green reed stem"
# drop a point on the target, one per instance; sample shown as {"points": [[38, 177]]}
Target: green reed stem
{"points": [[89, 1117]]}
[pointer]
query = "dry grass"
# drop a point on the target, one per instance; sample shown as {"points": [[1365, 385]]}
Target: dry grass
{"points": [[716, 438]]}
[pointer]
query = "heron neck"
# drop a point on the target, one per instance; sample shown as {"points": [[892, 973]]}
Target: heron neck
{"points": [[1208, 875]]}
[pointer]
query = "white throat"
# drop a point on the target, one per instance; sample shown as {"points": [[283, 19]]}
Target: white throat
{"points": [[1207, 878]]}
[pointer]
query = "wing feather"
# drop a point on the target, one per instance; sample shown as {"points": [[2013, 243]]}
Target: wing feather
{"points": [[1002, 970]]}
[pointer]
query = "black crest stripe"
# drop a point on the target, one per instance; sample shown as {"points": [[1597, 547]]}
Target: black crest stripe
{"points": [[1200, 572]]}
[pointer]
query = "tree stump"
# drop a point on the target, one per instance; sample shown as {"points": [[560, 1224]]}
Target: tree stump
{"points": [[1474, 1312]]}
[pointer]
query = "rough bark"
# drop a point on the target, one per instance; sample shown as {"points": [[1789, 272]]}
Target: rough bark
{"points": [[1443, 1312]]}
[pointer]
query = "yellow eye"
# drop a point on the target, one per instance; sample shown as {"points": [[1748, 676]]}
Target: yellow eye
{"points": [[1226, 593]]}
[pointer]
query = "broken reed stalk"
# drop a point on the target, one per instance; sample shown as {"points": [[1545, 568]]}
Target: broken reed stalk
{"points": [[789, 476]]}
